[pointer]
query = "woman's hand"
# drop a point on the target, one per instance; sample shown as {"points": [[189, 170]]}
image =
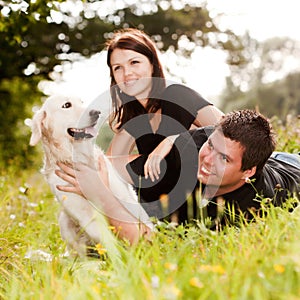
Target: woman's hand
{"points": [[83, 180], [152, 165], [93, 185]]}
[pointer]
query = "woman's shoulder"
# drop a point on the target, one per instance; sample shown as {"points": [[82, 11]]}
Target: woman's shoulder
{"points": [[177, 87], [181, 94]]}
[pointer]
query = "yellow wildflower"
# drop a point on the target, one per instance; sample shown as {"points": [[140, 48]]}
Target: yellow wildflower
{"points": [[279, 268], [100, 249], [215, 269], [195, 282], [114, 229], [169, 280], [164, 200], [170, 266], [163, 197]]}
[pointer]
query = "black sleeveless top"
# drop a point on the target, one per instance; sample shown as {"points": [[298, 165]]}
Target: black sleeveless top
{"points": [[179, 107]]}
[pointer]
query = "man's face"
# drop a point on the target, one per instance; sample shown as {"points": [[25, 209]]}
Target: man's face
{"points": [[220, 161]]}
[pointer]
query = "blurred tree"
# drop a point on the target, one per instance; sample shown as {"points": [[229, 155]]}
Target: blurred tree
{"points": [[270, 80], [38, 37]]}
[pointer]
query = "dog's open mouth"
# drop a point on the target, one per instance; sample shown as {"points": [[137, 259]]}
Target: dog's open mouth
{"points": [[83, 133]]}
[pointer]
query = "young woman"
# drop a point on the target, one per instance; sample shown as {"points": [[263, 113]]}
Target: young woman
{"points": [[148, 114]]}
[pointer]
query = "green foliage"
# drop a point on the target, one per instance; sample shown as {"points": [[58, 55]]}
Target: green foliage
{"points": [[105, 136], [15, 105], [39, 37], [279, 98], [255, 261], [263, 81], [288, 133], [32, 36]]}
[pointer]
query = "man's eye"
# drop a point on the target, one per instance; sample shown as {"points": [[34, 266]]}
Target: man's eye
{"points": [[135, 62], [224, 157], [67, 105]]}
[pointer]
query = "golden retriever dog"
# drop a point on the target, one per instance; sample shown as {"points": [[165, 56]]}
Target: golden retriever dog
{"points": [[67, 130]]}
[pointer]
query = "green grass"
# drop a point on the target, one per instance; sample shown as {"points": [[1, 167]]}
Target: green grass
{"points": [[257, 261]]}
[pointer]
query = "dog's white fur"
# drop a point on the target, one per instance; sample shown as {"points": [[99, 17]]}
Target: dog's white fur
{"points": [[79, 220]]}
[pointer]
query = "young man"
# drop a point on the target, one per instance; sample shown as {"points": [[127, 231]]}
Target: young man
{"points": [[234, 169]]}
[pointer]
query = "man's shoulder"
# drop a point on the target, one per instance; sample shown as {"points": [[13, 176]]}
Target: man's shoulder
{"points": [[276, 180], [281, 169], [281, 178]]}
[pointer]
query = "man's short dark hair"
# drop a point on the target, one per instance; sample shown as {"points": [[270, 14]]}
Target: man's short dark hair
{"points": [[254, 132]]}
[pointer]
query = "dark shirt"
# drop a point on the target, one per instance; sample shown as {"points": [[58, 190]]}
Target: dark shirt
{"points": [[276, 182], [179, 107]]}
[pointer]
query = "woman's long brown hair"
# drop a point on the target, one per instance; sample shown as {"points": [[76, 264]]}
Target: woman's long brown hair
{"points": [[138, 41]]}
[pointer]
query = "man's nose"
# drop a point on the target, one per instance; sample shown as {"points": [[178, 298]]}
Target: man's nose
{"points": [[209, 157]]}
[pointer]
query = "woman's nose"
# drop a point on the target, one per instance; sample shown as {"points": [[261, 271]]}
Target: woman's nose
{"points": [[127, 70]]}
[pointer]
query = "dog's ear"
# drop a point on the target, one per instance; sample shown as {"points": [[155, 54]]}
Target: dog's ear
{"points": [[36, 127]]}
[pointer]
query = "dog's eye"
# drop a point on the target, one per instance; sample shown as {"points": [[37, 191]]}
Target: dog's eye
{"points": [[67, 105]]}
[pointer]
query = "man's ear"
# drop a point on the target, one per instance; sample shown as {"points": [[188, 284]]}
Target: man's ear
{"points": [[249, 173]]}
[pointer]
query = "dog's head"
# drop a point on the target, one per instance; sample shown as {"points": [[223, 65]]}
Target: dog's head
{"points": [[61, 121]]}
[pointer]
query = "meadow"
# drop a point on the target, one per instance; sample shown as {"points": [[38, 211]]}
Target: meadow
{"points": [[257, 261]]}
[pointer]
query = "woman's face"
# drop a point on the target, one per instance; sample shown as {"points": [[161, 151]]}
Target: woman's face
{"points": [[132, 72]]}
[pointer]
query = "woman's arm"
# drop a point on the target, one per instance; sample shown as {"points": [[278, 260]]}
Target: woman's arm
{"points": [[121, 144], [152, 165], [93, 185], [119, 151], [208, 115]]}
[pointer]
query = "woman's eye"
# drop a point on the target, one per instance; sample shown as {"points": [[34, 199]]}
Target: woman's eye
{"points": [[135, 62], [67, 105], [116, 68]]}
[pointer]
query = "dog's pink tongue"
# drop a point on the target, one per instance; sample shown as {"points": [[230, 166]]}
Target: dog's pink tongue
{"points": [[91, 130]]}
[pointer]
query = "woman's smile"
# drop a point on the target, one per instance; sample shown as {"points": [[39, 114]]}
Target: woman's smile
{"points": [[132, 72]]}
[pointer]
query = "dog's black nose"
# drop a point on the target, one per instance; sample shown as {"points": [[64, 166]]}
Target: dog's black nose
{"points": [[94, 112]]}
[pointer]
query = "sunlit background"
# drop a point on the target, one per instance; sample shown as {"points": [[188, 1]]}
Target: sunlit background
{"points": [[236, 53], [206, 69]]}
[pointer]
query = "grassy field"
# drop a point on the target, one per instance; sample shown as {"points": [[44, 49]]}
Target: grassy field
{"points": [[257, 261]]}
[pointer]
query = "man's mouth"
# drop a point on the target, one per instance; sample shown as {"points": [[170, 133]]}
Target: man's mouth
{"points": [[83, 133], [205, 171]]}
